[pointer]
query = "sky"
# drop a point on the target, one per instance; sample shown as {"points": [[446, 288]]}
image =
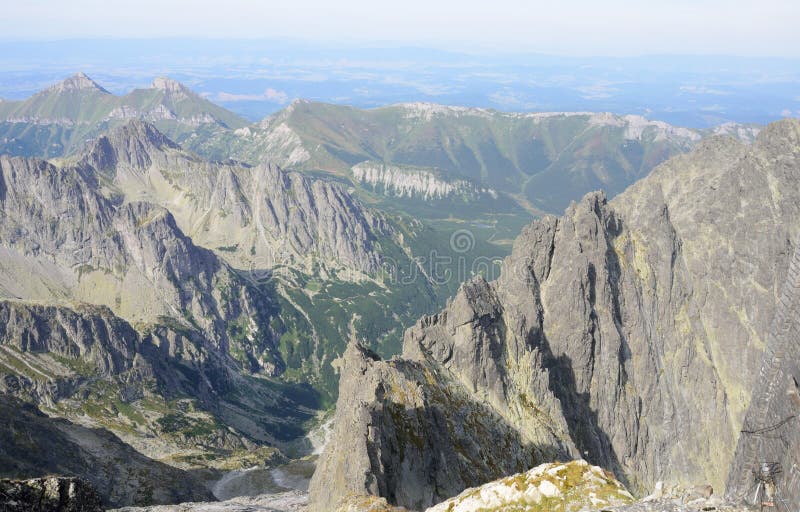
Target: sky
{"points": [[763, 28]]}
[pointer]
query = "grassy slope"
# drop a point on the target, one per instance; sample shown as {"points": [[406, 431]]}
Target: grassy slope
{"points": [[549, 160]]}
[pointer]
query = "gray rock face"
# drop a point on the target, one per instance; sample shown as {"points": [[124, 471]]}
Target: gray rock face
{"points": [[70, 242], [51, 494], [631, 331], [405, 432], [262, 215], [770, 433], [37, 197], [93, 337]]}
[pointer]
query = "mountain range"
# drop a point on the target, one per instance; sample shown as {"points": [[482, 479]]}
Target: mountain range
{"points": [[114, 318], [58, 120], [542, 160], [182, 288]]}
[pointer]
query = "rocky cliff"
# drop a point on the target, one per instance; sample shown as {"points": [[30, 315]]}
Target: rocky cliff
{"points": [[63, 240], [767, 451], [261, 216], [630, 330], [403, 431]]}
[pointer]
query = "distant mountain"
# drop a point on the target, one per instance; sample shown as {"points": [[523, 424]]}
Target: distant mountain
{"points": [[170, 101], [544, 159], [56, 121], [404, 155], [260, 215]]}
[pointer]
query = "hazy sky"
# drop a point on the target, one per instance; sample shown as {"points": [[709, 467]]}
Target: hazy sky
{"points": [[582, 27]]}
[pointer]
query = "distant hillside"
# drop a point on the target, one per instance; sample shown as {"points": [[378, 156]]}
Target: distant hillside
{"points": [[58, 120], [414, 154], [546, 159]]}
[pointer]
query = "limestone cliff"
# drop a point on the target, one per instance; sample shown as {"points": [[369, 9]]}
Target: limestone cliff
{"points": [[426, 183]]}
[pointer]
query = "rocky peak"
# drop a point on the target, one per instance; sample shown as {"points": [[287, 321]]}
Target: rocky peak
{"points": [[170, 86], [77, 82], [132, 144], [283, 115], [407, 432]]}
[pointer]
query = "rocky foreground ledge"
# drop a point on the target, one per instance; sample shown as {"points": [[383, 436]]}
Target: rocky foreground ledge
{"points": [[52, 494], [574, 486]]}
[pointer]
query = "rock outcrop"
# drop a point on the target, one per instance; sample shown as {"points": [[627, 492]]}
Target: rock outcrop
{"points": [[52, 494], [571, 487], [630, 330], [403, 432]]}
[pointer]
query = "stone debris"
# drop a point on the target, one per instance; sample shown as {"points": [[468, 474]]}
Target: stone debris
{"points": [[52, 494], [290, 501]]}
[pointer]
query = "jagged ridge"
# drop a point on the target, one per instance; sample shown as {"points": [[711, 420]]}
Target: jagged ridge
{"points": [[632, 330]]}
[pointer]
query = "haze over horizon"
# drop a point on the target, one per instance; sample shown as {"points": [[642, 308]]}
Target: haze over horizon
{"points": [[573, 27], [695, 63]]}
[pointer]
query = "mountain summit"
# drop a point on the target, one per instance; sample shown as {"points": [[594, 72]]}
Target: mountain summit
{"points": [[170, 86], [77, 82], [59, 119]]}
